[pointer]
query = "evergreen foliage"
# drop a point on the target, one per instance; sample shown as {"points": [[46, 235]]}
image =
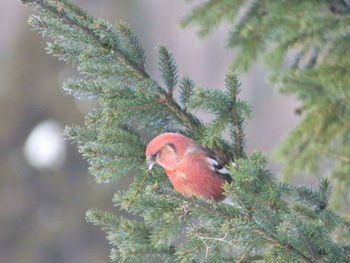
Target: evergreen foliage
{"points": [[305, 45], [265, 222]]}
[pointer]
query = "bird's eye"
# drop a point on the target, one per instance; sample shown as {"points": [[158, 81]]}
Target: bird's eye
{"points": [[154, 156]]}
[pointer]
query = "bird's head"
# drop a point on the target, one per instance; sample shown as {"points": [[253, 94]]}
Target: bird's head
{"points": [[167, 150]]}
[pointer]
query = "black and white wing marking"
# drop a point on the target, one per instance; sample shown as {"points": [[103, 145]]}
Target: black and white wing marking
{"points": [[219, 169]]}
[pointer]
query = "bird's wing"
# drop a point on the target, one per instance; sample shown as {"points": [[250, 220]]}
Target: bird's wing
{"points": [[219, 168]]}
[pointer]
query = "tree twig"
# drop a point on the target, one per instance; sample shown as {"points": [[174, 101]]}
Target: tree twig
{"points": [[335, 155]]}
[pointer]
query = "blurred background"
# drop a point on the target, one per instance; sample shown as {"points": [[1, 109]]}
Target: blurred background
{"points": [[45, 188]]}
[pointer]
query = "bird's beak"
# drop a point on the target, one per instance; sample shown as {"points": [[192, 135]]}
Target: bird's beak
{"points": [[150, 164]]}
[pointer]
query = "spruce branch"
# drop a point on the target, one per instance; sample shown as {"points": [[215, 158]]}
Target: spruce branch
{"points": [[213, 209], [324, 192], [121, 231], [233, 84], [335, 155], [111, 40], [168, 69], [247, 258], [229, 112], [76, 17], [305, 50], [189, 120], [186, 91]]}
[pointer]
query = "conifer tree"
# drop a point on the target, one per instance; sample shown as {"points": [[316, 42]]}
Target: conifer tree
{"points": [[305, 46], [266, 222]]}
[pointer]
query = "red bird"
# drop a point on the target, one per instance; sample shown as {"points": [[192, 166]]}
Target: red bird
{"points": [[191, 168]]}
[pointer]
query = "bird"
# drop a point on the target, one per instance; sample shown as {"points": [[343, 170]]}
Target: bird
{"points": [[192, 169]]}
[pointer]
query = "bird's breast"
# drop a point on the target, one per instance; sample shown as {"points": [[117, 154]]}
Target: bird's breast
{"points": [[177, 178], [181, 182], [203, 185]]}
